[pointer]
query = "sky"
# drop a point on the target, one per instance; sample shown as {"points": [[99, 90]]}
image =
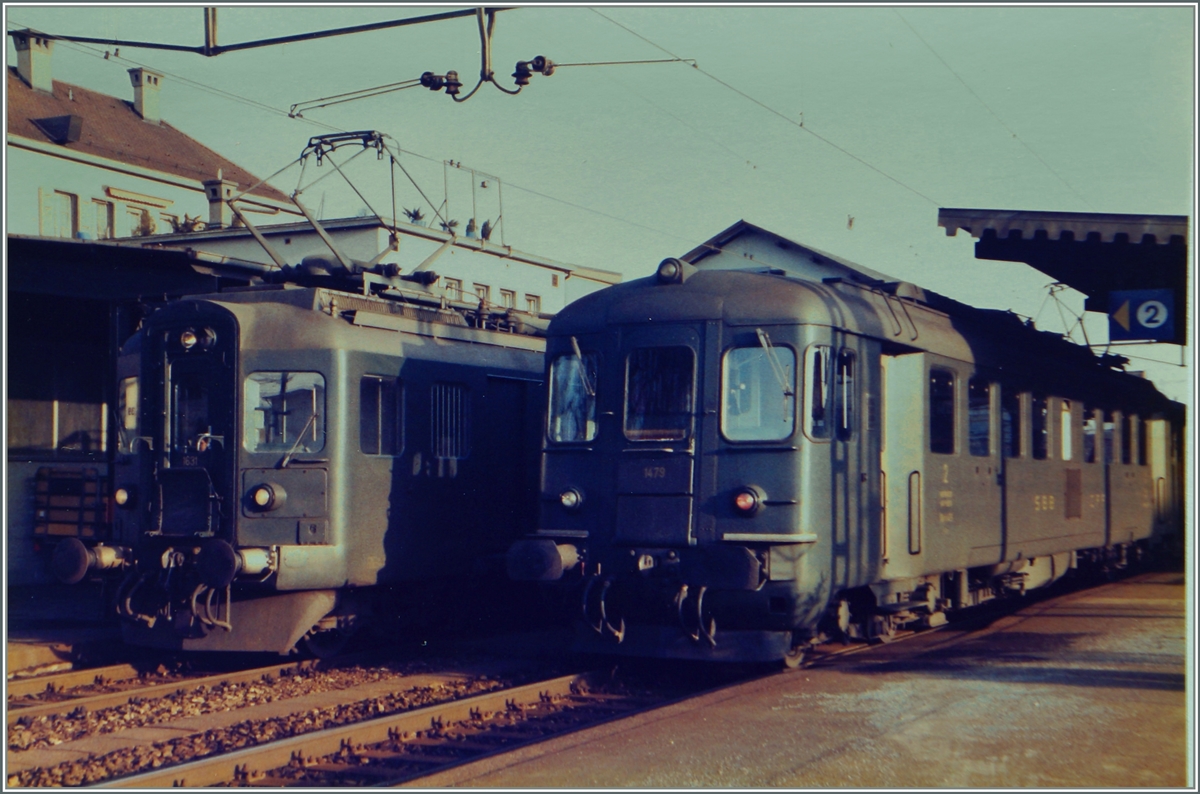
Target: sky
{"points": [[843, 128]]}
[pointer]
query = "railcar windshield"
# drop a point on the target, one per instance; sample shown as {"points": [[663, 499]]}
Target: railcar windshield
{"points": [[284, 412], [128, 424], [191, 425], [658, 393], [572, 412], [754, 403]]}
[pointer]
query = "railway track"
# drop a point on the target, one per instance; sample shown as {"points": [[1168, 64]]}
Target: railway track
{"points": [[76, 691], [388, 736], [391, 729], [409, 746], [21, 690], [398, 747], [229, 711]]}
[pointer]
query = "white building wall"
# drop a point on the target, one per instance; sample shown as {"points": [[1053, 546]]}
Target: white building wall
{"points": [[53, 196]]}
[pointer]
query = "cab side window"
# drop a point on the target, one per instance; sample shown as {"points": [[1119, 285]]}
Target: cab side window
{"points": [[846, 395], [818, 393]]}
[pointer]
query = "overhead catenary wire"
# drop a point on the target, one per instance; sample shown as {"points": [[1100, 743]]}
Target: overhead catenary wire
{"points": [[658, 230], [988, 108], [94, 52], [773, 111], [350, 96], [684, 122]]}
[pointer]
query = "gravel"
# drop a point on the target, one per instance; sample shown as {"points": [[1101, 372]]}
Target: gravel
{"points": [[222, 740]]}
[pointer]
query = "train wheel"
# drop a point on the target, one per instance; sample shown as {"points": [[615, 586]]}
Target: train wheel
{"points": [[882, 628], [795, 657]]}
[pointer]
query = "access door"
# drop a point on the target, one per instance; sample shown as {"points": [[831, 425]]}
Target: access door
{"points": [[656, 464]]}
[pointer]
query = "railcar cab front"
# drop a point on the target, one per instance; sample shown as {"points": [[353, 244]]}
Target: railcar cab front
{"points": [[677, 467], [175, 479]]}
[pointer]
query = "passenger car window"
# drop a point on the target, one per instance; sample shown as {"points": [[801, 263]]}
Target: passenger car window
{"points": [[658, 393], [1109, 432], [1126, 439], [817, 366], [1065, 429], [1039, 417], [1089, 434], [941, 411], [572, 412], [979, 416], [1010, 422], [1143, 430], [284, 412], [381, 415], [754, 403]]}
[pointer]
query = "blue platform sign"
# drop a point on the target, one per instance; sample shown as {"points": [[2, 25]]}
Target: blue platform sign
{"points": [[1141, 314]]}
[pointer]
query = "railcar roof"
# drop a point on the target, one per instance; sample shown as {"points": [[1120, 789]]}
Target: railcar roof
{"points": [[364, 311], [997, 340]]}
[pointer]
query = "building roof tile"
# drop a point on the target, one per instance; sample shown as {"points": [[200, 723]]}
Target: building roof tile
{"points": [[112, 129]]}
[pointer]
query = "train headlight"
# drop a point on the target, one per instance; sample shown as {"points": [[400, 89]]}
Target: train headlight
{"points": [[124, 497], [746, 501], [673, 271], [570, 499], [190, 339], [267, 496]]}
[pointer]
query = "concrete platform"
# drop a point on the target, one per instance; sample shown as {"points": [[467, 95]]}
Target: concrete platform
{"points": [[36, 649], [1084, 690], [56, 625]]}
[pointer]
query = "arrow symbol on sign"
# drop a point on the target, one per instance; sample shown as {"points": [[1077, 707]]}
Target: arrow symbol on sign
{"points": [[1121, 315]]}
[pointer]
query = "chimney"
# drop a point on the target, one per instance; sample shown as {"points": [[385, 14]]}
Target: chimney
{"points": [[218, 190], [33, 59], [145, 93]]}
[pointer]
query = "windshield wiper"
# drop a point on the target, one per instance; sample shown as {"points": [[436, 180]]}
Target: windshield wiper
{"points": [[773, 359], [587, 384], [283, 464]]}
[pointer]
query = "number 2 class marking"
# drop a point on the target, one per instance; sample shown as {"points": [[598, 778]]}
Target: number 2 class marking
{"points": [[1152, 314]]}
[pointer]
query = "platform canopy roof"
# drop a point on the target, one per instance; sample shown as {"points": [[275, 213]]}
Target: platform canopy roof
{"points": [[1097, 254]]}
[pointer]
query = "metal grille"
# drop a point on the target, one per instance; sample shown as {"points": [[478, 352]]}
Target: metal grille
{"points": [[451, 421], [69, 502], [358, 304]]}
